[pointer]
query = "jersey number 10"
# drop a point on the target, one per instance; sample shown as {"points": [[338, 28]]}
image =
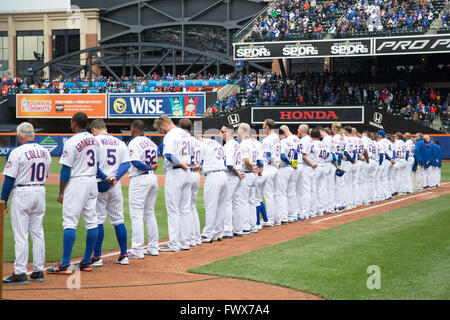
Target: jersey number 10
{"points": [[37, 172]]}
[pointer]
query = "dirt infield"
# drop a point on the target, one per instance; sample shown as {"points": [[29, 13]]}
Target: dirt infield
{"points": [[165, 278]]}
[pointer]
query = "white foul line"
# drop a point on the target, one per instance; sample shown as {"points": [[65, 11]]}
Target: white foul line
{"points": [[370, 208]]}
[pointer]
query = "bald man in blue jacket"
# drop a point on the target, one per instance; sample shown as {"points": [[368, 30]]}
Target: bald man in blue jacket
{"points": [[419, 163]]}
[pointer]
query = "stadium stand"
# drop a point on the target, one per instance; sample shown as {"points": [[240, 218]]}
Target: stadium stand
{"points": [[311, 19]]}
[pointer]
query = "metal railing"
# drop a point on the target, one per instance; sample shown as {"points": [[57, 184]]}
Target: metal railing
{"points": [[247, 29]]}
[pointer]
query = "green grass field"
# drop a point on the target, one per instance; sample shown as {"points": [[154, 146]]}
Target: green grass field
{"points": [[53, 229], [410, 245]]}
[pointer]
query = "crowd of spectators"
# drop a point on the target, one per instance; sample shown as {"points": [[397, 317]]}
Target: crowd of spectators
{"points": [[385, 17], [105, 84], [312, 19], [303, 89]]}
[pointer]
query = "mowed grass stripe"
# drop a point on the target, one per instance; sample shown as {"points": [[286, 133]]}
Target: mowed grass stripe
{"points": [[410, 245], [53, 230]]}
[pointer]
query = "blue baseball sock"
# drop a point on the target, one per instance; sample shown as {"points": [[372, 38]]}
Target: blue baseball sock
{"points": [[258, 210], [98, 244], [121, 234], [263, 212], [68, 241], [91, 240]]}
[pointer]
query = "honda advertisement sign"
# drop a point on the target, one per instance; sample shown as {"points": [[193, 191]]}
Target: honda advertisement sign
{"points": [[412, 45], [309, 115], [303, 49]]}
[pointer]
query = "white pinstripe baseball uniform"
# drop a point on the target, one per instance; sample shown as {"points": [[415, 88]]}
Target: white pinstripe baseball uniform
{"points": [[271, 144], [29, 165], [81, 154], [113, 152], [215, 188], [195, 238], [233, 211], [318, 155], [286, 178], [177, 142], [249, 217], [307, 178], [143, 191]]}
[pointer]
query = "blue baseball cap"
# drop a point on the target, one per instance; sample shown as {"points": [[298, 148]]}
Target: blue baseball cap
{"points": [[381, 133]]}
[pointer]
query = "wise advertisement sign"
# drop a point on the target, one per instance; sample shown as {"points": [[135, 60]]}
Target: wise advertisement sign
{"points": [[60, 105], [153, 105]]}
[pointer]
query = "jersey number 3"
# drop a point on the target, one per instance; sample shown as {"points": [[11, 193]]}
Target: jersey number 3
{"points": [[91, 154]]}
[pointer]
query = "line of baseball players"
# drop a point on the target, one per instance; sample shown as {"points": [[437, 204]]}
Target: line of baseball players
{"points": [[320, 171]]}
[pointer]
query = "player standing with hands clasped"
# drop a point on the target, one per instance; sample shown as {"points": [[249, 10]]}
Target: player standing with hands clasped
{"points": [[142, 192], [78, 192], [115, 161], [26, 172], [177, 155]]}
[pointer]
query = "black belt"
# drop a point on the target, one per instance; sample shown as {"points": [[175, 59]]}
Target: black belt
{"points": [[248, 171], [30, 185], [141, 174], [177, 167], [206, 173]]}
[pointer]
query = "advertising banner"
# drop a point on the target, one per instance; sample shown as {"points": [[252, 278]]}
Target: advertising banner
{"points": [[303, 49], [412, 45], [153, 105], [308, 115], [60, 105]]}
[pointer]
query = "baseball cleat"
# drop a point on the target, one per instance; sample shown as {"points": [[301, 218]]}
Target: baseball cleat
{"points": [[60, 269], [284, 222], [198, 242], [166, 249], [268, 224], [16, 279], [238, 235], [97, 262], [131, 255], [185, 248], [85, 266], [206, 239], [217, 239], [245, 232], [123, 260], [37, 276], [228, 237], [254, 230], [260, 227], [149, 252]]}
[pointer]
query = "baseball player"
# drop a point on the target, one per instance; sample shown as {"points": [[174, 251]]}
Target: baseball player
{"points": [[399, 176], [364, 159], [259, 184], [289, 175], [177, 153], [409, 158], [437, 164], [419, 162], [143, 191], [372, 168], [348, 165], [232, 161], [330, 169], [381, 169], [338, 150], [248, 160], [26, 171], [215, 189], [78, 192], [318, 155], [272, 153], [307, 172], [115, 161], [386, 164], [391, 153], [194, 165], [428, 156]]}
